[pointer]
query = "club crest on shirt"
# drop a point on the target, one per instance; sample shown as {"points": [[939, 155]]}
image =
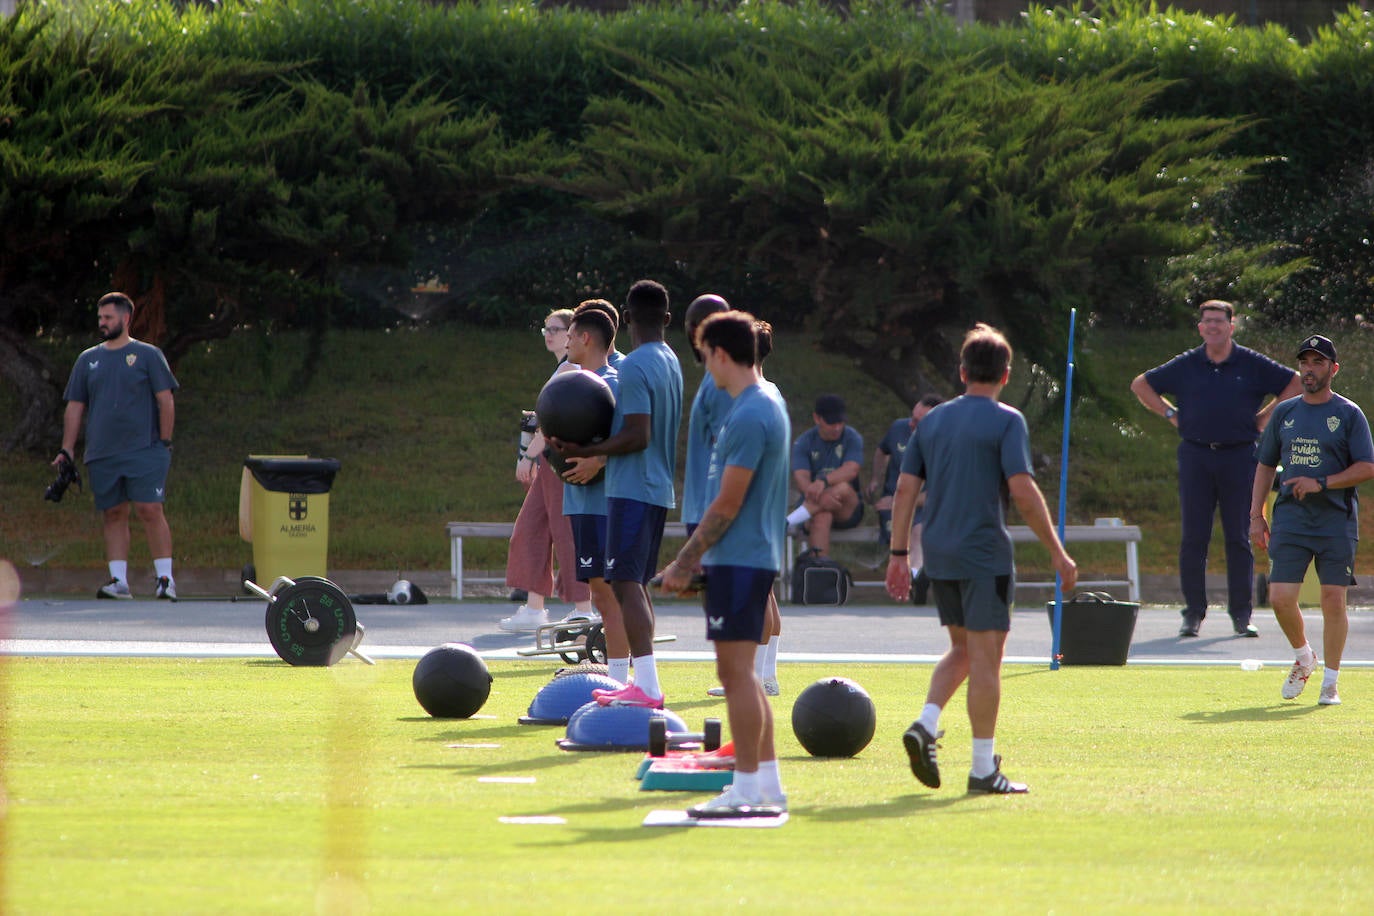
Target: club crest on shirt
{"points": [[1333, 423], [130, 359]]}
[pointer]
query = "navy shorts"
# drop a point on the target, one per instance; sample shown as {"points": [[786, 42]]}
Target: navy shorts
{"points": [[736, 602], [634, 531], [589, 537], [1289, 556], [975, 604], [139, 477]]}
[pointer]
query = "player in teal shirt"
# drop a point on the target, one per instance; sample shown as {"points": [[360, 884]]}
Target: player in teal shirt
{"points": [[1323, 443], [740, 545]]}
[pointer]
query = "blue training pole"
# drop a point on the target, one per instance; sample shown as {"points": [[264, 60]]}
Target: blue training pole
{"points": [[1063, 492]]}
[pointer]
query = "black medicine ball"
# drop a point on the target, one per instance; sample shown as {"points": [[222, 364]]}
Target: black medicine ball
{"points": [[834, 717], [451, 681]]}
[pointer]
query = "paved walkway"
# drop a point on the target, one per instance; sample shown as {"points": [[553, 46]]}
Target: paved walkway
{"points": [[858, 632]]}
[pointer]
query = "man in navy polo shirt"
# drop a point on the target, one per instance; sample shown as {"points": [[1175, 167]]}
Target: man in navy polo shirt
{"points": [[1220, 389]]}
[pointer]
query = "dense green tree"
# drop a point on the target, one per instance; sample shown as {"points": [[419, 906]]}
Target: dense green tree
{"points": [[907, 197]]}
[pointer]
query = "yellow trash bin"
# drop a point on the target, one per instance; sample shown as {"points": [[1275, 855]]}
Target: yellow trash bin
{"points": [[284, 513]]}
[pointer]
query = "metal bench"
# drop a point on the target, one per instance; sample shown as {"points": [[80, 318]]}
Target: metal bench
{"points": [[1103, 530], [459, 530]]}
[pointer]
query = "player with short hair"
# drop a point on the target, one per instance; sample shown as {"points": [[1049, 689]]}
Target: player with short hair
{"points": [[123, 388], [739, 544], [1322, 441], [642, 458], [584, 499], [964, 452]]}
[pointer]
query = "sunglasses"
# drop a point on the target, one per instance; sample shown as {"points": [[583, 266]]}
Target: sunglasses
{"points": [[548, 332]]}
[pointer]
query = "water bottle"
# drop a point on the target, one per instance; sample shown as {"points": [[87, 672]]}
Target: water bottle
{"points": [[1251, 664]]}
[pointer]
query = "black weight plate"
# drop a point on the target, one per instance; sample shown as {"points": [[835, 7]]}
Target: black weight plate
{"points": [[596, 645], [311, 598]]}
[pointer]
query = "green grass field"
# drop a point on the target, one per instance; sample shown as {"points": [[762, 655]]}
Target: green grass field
{"points": [[231, 786]]}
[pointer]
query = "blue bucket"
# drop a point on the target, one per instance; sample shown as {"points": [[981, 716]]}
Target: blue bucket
{"points": [[557, 700], [614, 728]]}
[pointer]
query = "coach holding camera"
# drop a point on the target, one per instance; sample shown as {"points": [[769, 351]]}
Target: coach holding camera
{"points": [[123, 389]]}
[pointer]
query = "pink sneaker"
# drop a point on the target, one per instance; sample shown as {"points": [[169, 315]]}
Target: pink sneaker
{"points": [[629, 695]]}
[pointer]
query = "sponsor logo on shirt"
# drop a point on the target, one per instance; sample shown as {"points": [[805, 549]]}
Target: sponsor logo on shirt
{"points": [[1288, 424]]}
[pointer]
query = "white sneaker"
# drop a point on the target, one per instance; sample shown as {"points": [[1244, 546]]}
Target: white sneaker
{"points": [[525, 620], [115, 589], [576, 616], [1297, 678], [1329, 697], [731, 804], [770, 688], [166, 588]]}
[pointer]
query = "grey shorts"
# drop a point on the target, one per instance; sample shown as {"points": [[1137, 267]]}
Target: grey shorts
{"points": [[1289, 556], [139, 477], [975, 604]]}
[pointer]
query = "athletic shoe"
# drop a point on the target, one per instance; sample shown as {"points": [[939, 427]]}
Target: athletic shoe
{"points": [[629, 695], [770, 688], [1297, 678], [115, 589], [1246, 629], [729, 804], [1190, 626], [525, 620], [576, 616], [166, 588], [920, 748], [996, 784], [1329, 697]]}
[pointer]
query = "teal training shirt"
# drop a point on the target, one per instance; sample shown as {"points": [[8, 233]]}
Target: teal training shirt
{"points": [[650, 383], [703, 427], [1316, 440], [119, 389], [755, 436], [966, 450]]}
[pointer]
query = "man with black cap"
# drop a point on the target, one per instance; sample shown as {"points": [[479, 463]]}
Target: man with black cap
{"points": [[1322, 442], [825, 469], [1220, 389]]}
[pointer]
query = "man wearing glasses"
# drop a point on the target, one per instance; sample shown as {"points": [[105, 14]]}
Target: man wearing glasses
{"points": [[1220, 390]]}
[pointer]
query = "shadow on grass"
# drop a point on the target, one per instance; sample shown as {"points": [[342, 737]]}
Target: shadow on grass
{"points": [[1275, 712]]}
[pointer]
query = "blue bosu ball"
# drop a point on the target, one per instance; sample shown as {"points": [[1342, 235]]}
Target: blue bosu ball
{"points": [[557, 700], [615, 728]]}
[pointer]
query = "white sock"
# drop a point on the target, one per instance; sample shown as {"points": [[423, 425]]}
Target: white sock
{"points": [[982, 757], [770, 658], [930, 718], [770, 783], [760, 656], [747, 785], [163, 567], [119, 569], [1329, 676], [1305, 655], [646, 675], [798, 515], [583, 607], [618, 669]]}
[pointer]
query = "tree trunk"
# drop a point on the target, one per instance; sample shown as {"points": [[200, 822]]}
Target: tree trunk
{"points": [[37, 387]]}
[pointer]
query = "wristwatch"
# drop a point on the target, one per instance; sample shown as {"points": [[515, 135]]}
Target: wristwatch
{"points": [[1321, 481], [1170, 413]]}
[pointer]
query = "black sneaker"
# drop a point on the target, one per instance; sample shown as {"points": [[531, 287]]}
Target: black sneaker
{"points": [[166, 589], [995, 784], [920, 747], [1246, 629], [1190, 626]]}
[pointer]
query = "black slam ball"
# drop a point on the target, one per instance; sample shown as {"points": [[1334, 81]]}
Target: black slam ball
{"points": [[575, 407], [834, 717], [451, 681]]}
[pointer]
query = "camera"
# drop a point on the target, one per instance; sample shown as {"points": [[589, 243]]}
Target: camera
{"points": [[528, 424], [67, 475]]}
